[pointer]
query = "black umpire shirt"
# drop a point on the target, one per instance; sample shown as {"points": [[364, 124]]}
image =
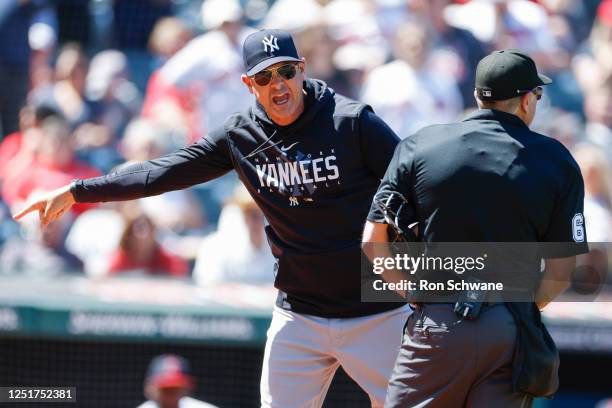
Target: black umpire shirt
{"points": [[489, 178], [313, 179]]}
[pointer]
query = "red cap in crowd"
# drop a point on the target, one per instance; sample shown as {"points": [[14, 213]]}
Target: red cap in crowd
{"points": [[169, 371]]}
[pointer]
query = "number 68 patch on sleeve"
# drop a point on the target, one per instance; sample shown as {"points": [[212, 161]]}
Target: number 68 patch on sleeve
{"points": [[578, 227]]}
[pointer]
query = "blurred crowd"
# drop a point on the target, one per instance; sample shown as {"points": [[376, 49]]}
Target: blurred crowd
{"points": [[88, 86]]}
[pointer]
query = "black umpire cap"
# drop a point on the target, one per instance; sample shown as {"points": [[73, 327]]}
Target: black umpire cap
{"points": [[506, 74]]}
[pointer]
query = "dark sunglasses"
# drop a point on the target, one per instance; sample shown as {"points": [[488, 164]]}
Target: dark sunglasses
{"points": [[287, 71], [538, 91]]}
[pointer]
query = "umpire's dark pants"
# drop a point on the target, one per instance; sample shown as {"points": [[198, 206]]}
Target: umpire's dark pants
{"points": [[448, 362]]}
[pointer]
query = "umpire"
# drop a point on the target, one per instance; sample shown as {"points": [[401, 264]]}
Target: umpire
{"points": [[488, 178]]}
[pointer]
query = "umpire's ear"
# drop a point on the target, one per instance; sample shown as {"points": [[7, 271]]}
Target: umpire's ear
{"points": [[247, 81]]}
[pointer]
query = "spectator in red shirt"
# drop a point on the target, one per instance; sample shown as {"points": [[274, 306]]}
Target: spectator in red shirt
{"points": [[140, 252], [53, 166]]}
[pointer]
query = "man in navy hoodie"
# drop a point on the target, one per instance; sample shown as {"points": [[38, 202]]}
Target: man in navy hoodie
{"points": [[312, 160]]}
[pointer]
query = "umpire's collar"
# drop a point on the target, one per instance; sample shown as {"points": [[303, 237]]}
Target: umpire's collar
{"points": [[491, 114]]}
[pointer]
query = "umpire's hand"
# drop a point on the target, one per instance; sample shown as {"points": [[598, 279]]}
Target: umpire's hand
{"points": [[50, 206]]}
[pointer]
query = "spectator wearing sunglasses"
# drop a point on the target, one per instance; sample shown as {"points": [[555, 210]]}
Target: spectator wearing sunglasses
{"points": [[312, 160]]}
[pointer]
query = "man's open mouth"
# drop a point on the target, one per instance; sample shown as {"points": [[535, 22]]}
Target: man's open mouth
{"points": [[281, 99]]}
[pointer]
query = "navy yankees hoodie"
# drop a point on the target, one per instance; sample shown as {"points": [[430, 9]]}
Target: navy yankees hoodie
{"points": [[314, 181]]}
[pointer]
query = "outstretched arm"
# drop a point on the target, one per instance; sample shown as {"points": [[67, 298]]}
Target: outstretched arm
{"points": [[204, 160]]}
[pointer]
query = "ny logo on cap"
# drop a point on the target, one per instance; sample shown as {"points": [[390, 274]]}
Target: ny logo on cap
{"points": [[487, 93], [271, 42]]}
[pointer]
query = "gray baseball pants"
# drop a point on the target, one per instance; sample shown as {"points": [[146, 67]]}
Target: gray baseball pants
{"points": [[303, 352], [447, 362]]}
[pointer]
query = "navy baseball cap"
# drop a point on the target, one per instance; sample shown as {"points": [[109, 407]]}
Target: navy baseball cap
{"points": [[169, 371], [506, 74], [267, 47]]}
